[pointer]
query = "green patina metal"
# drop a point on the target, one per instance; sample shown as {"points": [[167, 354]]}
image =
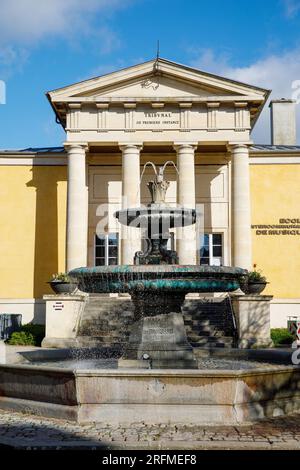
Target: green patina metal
{"points": [[120, 279]]}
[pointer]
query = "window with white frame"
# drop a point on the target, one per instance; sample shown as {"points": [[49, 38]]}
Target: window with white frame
{"points": [[211, 249], [106, 249]]}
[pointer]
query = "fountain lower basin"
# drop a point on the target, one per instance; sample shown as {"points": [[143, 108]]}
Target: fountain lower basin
{"points": [[124, 397]]}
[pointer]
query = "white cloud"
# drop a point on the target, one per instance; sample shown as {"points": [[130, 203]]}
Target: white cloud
{"points": [[31, 20], [275, 72], [25, 23], [291, 7]]}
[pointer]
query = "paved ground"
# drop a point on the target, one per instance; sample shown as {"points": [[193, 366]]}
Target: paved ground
{"points": [[27, 431]]}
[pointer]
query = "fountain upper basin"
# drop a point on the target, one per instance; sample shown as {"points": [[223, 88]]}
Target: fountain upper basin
{"points": [[167, 278], [171, 217]]}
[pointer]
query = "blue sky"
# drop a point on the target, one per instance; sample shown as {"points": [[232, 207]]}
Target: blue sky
{"points": [[52, 43]]}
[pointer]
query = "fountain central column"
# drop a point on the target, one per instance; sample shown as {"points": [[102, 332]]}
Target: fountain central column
{"points": [[131, 237], [186, 243]]}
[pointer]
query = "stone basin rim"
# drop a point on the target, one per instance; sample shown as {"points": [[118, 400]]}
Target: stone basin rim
{"points": [[160, 269], [156, 209], [193, 373]]}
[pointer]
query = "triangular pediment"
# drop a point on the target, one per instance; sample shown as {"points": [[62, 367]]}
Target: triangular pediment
{"points": [[154, 86], [156, 80], [160, 76]]}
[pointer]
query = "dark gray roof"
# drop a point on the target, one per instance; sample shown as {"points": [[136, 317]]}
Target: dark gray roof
{"points": [[34, 150], [275, 148]]}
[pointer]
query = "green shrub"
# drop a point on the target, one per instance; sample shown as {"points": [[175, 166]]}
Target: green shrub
{"points": [[63, 277], [37, 331], [281, 336], [21, 338], [29, 335]]}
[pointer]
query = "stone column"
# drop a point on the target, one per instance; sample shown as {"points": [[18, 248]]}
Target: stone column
{"points": [[77, 207], [131, 237], [186, 243], [241, 208]]}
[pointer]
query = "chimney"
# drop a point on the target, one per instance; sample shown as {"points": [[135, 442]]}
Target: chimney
{"points": [[283, 122]]}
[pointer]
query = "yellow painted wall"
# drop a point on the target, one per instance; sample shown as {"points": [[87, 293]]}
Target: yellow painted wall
{"points": [[32, 228], [33, 221], [275, 194]]}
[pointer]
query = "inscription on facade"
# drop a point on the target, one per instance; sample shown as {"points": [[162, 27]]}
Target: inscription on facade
{"points": [[283, 227], [157, 118]]}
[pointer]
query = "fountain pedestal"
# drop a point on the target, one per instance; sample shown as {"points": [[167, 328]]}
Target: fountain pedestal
{"points": [[159, 342], [158, 337]]}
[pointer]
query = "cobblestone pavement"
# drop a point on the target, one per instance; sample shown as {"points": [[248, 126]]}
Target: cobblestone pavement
{"points": [[28, 431]]}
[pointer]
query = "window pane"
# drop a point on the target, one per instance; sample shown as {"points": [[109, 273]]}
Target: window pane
{"points": [[112, 261], [113, 251], [217, 239], [113, 239], [204, 261], [100, 261], [204, 252], [100, 241], [100, 251], [217, 251], [204, 239], [216, 262]]}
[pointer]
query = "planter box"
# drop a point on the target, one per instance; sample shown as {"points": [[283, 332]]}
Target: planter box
{"points": [[253, 287], [61, 287]]}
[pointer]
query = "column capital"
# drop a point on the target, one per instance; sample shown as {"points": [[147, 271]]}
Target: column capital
{"points": [[130, 145], [182, 145], [238, 145], [75, 146]]}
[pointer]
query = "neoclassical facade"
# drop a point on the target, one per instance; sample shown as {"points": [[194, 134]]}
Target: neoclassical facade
{"points": [[58, 203]]}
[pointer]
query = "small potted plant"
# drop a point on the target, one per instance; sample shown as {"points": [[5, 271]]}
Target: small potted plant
{"points": [[254, 282], [61, 283]]}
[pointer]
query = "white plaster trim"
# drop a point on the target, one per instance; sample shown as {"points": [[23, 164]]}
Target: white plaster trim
{"points": [[274, 160], [33, 161], [21, 301], [285, 301], [21, 160]]}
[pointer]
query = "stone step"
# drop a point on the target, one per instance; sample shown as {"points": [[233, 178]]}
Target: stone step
{"points": [[212, 342], [108, 320], [107, 339]]}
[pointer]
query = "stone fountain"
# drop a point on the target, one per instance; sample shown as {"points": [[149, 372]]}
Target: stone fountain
{"points": [[157, 284], [153, 382]]}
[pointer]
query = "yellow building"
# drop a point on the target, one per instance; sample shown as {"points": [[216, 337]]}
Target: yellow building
{"points": [[57, 204]]}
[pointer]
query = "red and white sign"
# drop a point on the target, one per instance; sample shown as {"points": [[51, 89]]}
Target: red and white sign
{"points": [[294, 327]]}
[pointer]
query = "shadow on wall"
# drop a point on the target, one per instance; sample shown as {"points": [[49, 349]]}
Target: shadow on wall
{"points": [[50, 216]]}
